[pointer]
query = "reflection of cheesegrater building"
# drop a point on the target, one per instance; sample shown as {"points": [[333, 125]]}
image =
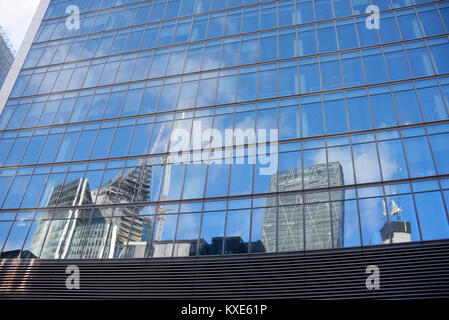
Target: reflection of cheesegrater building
{"points": [[306, 213]]}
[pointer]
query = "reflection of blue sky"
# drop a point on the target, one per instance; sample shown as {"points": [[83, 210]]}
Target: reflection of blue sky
{"points": [[351, 232], [238, 224], [433, 220], [168, 231], [372, 218], [17, 236], [257, 224], [188, 226], [213, 225]]}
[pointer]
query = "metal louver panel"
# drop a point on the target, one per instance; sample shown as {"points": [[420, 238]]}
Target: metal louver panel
{"points": [[419, 270]]}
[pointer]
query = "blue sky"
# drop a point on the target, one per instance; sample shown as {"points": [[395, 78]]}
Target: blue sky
{"points": [[15, 17]]}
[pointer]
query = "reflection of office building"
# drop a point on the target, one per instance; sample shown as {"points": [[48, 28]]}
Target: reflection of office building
{"points": [[399, 231], [184, 247], [128, 227], [61, 232], [14, 254], [181, 248], [310, 212], [133, 186], [67, 233]]}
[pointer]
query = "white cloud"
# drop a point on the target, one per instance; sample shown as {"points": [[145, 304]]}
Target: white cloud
{"points": [[15, 17]]}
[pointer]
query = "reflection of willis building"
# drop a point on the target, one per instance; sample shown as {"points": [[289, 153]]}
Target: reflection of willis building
{"points": [[309, 212], [81, 233]]}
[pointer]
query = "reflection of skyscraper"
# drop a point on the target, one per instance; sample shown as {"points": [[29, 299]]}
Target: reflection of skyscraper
{"points": [[308, 212], [61, 233], [81, 233], [127, 226], [133, 186]]}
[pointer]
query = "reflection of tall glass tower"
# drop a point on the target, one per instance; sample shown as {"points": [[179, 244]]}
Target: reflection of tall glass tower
{"points": [[128, 228], [62, 233], [305, 212], [66, 233]]}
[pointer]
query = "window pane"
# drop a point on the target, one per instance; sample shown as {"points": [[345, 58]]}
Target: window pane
{"points": [[359, 114], [373, 220], [121, 142], [420, 62], [439, 56], [407, 107], [217, 180], [351, 229], [397, 65], [327, 40], [440, 150], [212, 232], [187, 235], [289, 123], [434, 223], [409, 27], [330, 75], [392, 160], [241, 177], [366, 163], [317, 223], [335, 116], [237, 232], [194, 181], [375, 69], [418, 157], [383, 110], [312, 120], [432, 104]]}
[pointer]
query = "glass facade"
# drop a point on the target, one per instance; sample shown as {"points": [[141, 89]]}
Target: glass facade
{"points": [[362, 118]]}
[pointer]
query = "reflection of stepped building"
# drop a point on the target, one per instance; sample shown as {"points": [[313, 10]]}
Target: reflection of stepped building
{"points": [[133, 186], [310, 212], [81, 233], [128, 227]]}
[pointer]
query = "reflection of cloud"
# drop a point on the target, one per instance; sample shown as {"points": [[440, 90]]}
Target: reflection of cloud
{"points": [[13, 11], [366, 163], [240, 228], [391, 165], [343, 156], [188, 227], [245, 122], [195, 184]]}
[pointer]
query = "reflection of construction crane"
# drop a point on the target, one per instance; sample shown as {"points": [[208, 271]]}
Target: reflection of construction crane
{"points": [[159, 210], [396, 210]]}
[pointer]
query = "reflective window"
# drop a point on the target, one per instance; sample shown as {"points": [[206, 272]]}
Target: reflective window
{"points": [[434, 223]]}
